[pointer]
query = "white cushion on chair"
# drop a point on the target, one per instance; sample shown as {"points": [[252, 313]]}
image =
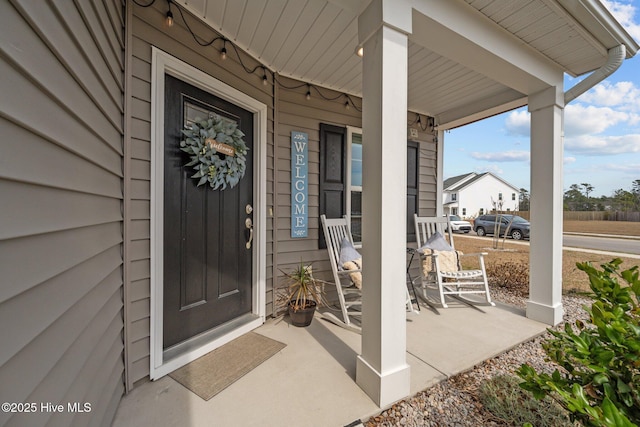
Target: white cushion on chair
{"points": [[436, 243], [350, 259], [348, 252]]}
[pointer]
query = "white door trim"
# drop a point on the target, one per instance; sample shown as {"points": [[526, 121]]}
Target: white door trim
{"points": [[161, 64]]}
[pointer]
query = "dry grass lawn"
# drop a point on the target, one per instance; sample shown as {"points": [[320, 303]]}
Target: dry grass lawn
{"points": [[573, 279], [624, 228]]}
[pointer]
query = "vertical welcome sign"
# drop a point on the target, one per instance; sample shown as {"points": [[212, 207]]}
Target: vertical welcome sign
{"points": [[299, 184]]}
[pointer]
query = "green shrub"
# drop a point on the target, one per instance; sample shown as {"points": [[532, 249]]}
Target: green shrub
{"points": [[508, 402], [599, 377]]}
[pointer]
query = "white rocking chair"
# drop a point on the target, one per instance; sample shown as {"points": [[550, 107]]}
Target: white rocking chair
{"points": [[455, 282], [349, 296]]}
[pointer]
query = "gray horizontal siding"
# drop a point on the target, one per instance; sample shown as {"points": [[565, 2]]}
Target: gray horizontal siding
{"points": [[61, 174]]}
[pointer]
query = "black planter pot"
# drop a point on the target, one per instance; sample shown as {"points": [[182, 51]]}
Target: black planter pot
{"points": [[303, 316]]}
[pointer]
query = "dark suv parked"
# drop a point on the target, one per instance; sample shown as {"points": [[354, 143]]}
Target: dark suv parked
{"points": [[486, 224]]}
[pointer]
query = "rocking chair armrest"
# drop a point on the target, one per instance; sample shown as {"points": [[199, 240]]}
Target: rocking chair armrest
{"points": [[426, 255]]}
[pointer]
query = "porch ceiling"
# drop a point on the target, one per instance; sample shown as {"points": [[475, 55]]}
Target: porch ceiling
{"points": [[315, 41]]}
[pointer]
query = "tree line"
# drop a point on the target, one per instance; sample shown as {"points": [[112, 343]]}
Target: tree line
{"points": [[579, 197]]}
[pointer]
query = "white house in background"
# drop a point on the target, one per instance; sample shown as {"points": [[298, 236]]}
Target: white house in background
{"points": [[473, 194]]}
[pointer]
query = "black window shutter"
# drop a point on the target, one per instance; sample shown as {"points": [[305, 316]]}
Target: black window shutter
{"points": [[333, 169], [413, 156]]}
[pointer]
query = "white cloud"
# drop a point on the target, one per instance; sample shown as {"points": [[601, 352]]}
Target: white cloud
{"points": [[518, 122], [624, 13], [494, 169], [581, 119], [502, 156], [585, 120], [569, 159], [622, 94], [598, 145], [628, 168]]}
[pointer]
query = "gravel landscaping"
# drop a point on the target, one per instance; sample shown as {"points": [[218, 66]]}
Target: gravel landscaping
{"points": [[456, 401]]}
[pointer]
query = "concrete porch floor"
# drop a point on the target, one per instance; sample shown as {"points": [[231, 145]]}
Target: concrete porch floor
{"points": [[311, 382]]}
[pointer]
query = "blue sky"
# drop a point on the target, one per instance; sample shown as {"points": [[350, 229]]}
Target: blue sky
{"points": [[602, 131]]}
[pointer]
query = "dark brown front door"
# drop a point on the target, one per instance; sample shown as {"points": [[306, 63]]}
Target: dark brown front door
{"points": [[207, 265]]}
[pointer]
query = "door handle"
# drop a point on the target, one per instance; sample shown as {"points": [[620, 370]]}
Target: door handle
{"points": [[249, 225]]}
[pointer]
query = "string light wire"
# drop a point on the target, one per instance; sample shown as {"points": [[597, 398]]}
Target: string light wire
{"points": [[224, 52]]}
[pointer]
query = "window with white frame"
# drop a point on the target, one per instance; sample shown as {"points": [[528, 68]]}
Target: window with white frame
{"points": [[340, 192], [354, 182]]}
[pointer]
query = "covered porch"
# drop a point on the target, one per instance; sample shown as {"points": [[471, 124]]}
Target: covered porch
{"points": [[312, 380], [455, 62]]}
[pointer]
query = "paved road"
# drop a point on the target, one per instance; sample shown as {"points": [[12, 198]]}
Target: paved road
{"points": [[598, 243], [602, 243]]}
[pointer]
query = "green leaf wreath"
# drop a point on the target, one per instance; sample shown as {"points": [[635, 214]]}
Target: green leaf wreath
{"points": [[218, 169]]}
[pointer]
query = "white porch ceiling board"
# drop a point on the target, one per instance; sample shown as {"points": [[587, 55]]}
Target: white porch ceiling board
{"points": [[232, 17], [269, 20], [468, 112], [524, 18], [299, 30], [317, 40], [515, 10], [581, 59], [341, 32], [481, 90], [348, 77], [445, 87], [546, 27], [454, 96], [434, 101], [197, 5], [249, 22], [433, 70], [497, 11], [333, 58], [442, 83], [281, 32], [471, 83]]}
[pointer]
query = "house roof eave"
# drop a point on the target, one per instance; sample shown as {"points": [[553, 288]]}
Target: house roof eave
{"points": [[597, 19]]}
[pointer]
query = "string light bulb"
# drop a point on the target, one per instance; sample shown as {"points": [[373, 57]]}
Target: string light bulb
{"points": [[308, 92], [169, 18], [223, 51], [346, 105], [265, 81]]}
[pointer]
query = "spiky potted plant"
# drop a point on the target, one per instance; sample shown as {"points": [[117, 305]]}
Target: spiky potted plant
{"points": [[302, 294]]}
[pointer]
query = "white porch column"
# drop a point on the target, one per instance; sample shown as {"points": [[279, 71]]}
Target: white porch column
{"points": [[545, 286], [440, 174], [381, 370]]}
